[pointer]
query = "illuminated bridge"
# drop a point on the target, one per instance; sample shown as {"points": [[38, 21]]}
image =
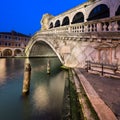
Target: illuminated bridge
{"points": [[88, 32]]}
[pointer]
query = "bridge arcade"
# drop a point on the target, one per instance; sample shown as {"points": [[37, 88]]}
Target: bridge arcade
{"points": [[11, 52]]}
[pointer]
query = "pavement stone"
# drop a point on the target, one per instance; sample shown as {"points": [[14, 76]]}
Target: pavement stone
{"points": [[103, 92]]}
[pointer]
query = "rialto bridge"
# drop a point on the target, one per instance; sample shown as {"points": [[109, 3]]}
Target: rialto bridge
{"points": [[88, 32]]}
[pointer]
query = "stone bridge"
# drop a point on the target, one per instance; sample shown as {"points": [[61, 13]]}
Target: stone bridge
{"points": [[88, 32]]}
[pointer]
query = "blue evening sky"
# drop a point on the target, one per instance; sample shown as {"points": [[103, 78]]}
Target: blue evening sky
{"points": [[24, 15]]}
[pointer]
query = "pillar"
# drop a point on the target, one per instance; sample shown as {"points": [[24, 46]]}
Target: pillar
{"points": [[13, 52], [99, 27], [110, 55]]}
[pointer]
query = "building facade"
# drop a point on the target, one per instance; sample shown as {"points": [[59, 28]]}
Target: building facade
{"points": [[12, 43]]}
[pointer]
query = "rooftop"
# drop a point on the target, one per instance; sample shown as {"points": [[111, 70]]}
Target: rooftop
{"points": [[15, 34]]}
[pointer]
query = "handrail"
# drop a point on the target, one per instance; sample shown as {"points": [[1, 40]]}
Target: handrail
{"points": [[102, 67]]}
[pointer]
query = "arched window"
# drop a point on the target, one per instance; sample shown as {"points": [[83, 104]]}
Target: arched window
{"points": [[5, 44], [116, 14], [118, 11], [100, 11], [51, 25], [78, 18], [57, 23], [66, 21], [9, 44]]}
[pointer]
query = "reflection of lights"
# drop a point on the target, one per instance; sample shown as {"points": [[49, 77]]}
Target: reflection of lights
{"points": [[57, 89], [40, 98], [2, 70], [27, 60], [39, 68], [59, 82]]}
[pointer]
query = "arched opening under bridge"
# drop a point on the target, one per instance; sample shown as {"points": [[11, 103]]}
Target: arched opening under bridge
{"points": [[17, 52], [42, 48], [7, 53]]}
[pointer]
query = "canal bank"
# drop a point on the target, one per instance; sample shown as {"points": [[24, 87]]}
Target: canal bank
{"points": [[76, 105], [98, 106], [71, 107]]}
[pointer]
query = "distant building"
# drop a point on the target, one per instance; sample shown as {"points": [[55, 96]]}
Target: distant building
{"points": [[12, 43]]}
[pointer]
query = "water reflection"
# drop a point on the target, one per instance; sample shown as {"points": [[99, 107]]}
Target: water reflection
{"points": [[57, 90], [46, 91], [46, 95], [41, 98], [40, 68], [2, 71]]}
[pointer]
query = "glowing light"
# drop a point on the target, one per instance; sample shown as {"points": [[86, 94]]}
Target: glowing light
{"points": [[41, 98]]}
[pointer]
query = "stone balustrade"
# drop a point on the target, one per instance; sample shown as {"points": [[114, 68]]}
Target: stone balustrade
{"points": [[103, 25]]}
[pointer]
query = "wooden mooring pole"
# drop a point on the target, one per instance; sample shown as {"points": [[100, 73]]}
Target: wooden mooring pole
{"points": [[26, 81], [48, 67]]}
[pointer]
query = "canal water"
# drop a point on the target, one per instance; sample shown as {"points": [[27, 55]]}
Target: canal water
{"points": [[46, 91]]}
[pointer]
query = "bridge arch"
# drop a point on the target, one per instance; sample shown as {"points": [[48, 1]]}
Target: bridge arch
{"points": [[57, 23], [118, 11], [7, 53], [65, 21], [98, 12], [78, 18], [17, 52], [51, 25], [45, 42]]}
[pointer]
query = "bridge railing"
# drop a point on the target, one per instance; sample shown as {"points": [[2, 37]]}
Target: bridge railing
{"points": [[103, 25], [102, 68]]}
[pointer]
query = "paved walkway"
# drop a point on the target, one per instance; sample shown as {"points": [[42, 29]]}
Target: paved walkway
{"points": [[107, 88]]}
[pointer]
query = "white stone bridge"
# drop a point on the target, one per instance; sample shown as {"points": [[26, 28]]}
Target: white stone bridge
{"points": [[88, 32]]}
